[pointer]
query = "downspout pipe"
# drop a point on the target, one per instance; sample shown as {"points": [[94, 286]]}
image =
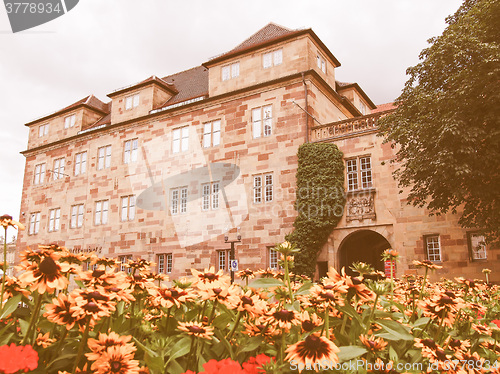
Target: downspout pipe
{"points": [[307, 117]]}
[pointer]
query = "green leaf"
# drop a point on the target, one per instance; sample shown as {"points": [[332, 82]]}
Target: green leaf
{"points": [[421, 322], [266, 283], [24, 326], [252, 344], [349, 352], [394, 330], [154, 363], [174, 368], [10, 306], [181, 348], [304, 289]]}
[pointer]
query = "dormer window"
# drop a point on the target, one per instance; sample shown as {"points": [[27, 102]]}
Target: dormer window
{"points": [[230, 71], [69, 121], [273, 58], [131, 101], [320, 60]]}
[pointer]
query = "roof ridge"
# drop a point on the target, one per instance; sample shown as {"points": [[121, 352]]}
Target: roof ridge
{"points": [[260, 31]]}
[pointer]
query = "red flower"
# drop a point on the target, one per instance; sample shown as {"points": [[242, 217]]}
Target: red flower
{"points": [[14, 358], [254, 364], [223, 367], [496, 322]]}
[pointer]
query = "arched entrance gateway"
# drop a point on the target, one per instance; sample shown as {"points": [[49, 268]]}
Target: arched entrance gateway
{"points": [[363, 246]]}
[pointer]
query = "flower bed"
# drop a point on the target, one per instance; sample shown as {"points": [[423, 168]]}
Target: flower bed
{"points": [[136, 322]]}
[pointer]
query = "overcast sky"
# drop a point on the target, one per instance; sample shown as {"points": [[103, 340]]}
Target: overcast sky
{"points": [[102, 45]]}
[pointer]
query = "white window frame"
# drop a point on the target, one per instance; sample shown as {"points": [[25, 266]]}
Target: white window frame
{"points": [[273, 58], [178, 200], [321, 62], [359, 173], [165, 263], [222, 259], [230, 71], [80, 163], [263, 190], [128, 208], [210, 196], [211, 133], [39, 174], [101, 212], [477, 246], [123, 259], [58, 171], [34, 226], [273, 259], [69, 121], [180, 139], [262, 121], [433, 248], [103, 157], [54, 219], [76, 218], [43, 130], [132, 101], [130, 150]]}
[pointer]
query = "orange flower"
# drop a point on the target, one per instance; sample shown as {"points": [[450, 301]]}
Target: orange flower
{"points": [[196, 329], [311, 350], [43, 340], [91, 303], [427, 264], [309, 323], [60, 312], [116, 360], [7, 221], [252, 304], [373, 344], [105, 341], [282, 318], [46, 275], [168, 297], [208, 275]]}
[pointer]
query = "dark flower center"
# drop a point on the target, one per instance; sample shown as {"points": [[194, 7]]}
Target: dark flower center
{"points": [[97, 296], [97, 273], [446, 300], [429, 343], [307, 325], [329, 296], [246, 300], [449, 294], [217, 290], [137, 277], [328, 287], [313, 343], [92, 307], [356, 281], [48, 266], [115, 366], [210, 276], [284, 315], [196, 329]]}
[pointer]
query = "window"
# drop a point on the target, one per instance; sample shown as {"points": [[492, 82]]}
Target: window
{"points": [[178, 200], [124, 261], [76, 216], [210, 198], [359, 170], [263, 188], [273, 259], [477, 246], [272, 58], [433, 248], [132, 101], [43, 130], [39, 173], [211, 134], [34, 223], [58, 171], [320, 60], [362, 108], [262, 121], [128, 208], [69, 121], [80, 163], [104, 157], [180, 139], [222, 260], [230, 71], [165, 263], [130, 151], [101, 212], [54, 219]]}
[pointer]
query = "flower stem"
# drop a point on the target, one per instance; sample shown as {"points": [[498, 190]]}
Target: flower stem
{"points": [[238, 317], [372, 314], [33, 319], [213, 311], [83, 343], [287, 279]]}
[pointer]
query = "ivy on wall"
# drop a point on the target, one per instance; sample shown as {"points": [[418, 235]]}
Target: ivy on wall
{"points": [[320, 200]]}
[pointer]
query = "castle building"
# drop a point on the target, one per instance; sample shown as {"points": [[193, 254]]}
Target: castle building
{"points": [[171, 166]]}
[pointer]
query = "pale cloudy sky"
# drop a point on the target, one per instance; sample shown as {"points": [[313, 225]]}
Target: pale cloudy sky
{"points": [[102, 45]]}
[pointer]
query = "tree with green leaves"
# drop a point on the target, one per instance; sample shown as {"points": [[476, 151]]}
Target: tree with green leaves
{"points": [[446, 126]]}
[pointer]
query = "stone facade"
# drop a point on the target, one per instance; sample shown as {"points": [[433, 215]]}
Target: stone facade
{"points": [[170, 166]]}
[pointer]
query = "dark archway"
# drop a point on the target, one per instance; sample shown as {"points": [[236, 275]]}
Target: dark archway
{"points": [[365, 246]]}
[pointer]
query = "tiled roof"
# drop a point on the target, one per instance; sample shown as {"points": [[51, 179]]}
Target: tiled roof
{"points": [[190, 84], [269, 32], [384, 107]]}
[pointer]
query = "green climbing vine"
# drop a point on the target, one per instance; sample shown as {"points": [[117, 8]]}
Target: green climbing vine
{"points": [[320, 200]]}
